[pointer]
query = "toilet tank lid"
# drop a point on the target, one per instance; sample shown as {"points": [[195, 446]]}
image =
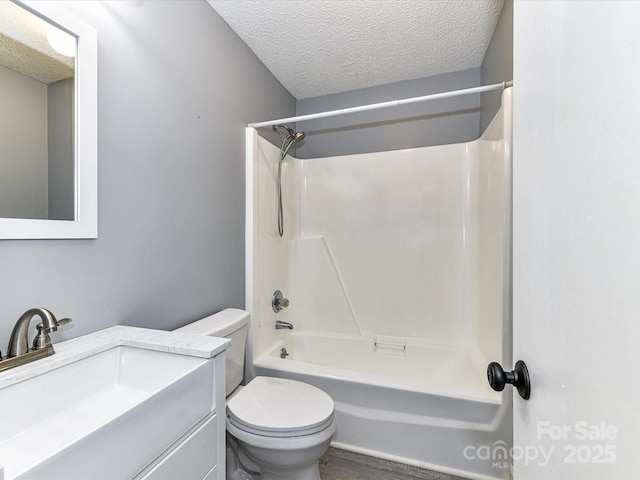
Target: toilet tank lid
{"points": [[219, 324]]}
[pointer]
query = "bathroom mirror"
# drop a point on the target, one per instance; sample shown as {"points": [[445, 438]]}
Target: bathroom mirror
{"points": [[48, 126]]}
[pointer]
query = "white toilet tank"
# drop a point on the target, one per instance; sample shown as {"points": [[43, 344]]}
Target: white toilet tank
{"points": [[231, 323]]}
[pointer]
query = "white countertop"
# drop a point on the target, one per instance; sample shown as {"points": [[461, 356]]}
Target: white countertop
{"points": [[78, 348]]}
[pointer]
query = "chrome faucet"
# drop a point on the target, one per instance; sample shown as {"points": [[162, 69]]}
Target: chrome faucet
{"points": [[19, 352], [281, 325]]}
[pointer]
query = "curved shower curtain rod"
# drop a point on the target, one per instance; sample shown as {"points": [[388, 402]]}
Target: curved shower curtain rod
{"points": [[376, 106]]}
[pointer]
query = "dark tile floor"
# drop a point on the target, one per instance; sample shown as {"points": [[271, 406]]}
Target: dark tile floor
{"points": [[339, 464]]}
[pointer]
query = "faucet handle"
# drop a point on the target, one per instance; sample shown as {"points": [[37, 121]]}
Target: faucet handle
{"points": [[59, 323], [64, 321], [42, 339]]}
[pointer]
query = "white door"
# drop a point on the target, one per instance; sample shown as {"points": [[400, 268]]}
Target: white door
{"points": [[577, 238]]}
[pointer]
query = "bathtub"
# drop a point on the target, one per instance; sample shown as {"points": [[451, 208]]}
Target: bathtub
{"points": [[419, 404]]}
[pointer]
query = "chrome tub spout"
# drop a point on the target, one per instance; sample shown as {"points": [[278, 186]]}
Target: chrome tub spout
{"points": [[282, 325]]}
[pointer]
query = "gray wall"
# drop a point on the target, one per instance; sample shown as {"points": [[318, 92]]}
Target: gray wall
{"points": [[176, 88], [36, 134], [23, 155], [433, 123], [60, 118], [497, 65]]}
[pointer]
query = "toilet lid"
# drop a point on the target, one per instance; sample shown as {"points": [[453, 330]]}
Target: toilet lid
{"points": [[280, 407]]}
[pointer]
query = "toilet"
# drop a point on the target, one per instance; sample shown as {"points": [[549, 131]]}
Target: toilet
{"points": [[276, 428]]}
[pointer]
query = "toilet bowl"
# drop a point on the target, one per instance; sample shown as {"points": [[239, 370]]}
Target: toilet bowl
{"points": [[277, 429], [282, 425]]}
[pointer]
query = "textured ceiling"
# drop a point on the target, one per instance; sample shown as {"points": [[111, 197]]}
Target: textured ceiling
{"points": [[319, 47], [24, 46]]}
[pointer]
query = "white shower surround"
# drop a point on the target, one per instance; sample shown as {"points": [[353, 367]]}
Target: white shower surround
{"points": [[397, 267]]}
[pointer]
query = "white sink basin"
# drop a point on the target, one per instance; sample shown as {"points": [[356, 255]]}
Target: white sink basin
{"points": [[105, 416]]}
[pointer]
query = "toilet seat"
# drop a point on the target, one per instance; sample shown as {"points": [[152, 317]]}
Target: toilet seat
{"points": [[279, 407]]}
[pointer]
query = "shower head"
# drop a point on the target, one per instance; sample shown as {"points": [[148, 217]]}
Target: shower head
{"points": [[292, 136]]}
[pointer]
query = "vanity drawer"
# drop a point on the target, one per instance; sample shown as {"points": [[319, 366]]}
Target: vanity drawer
{"points": [[192, 459]]}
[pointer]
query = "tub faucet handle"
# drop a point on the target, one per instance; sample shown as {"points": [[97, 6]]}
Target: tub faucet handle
{"points": [[278, 302]]}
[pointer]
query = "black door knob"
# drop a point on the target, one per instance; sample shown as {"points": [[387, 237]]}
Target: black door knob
{"points": [[518, 377]]}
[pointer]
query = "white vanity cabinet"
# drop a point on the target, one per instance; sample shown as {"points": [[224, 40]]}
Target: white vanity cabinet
{"points": [[194, 457], [131, 404], [200, 453]]}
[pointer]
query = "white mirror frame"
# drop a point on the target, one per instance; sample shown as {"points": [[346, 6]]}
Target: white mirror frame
{"points": [[85, 224]]}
